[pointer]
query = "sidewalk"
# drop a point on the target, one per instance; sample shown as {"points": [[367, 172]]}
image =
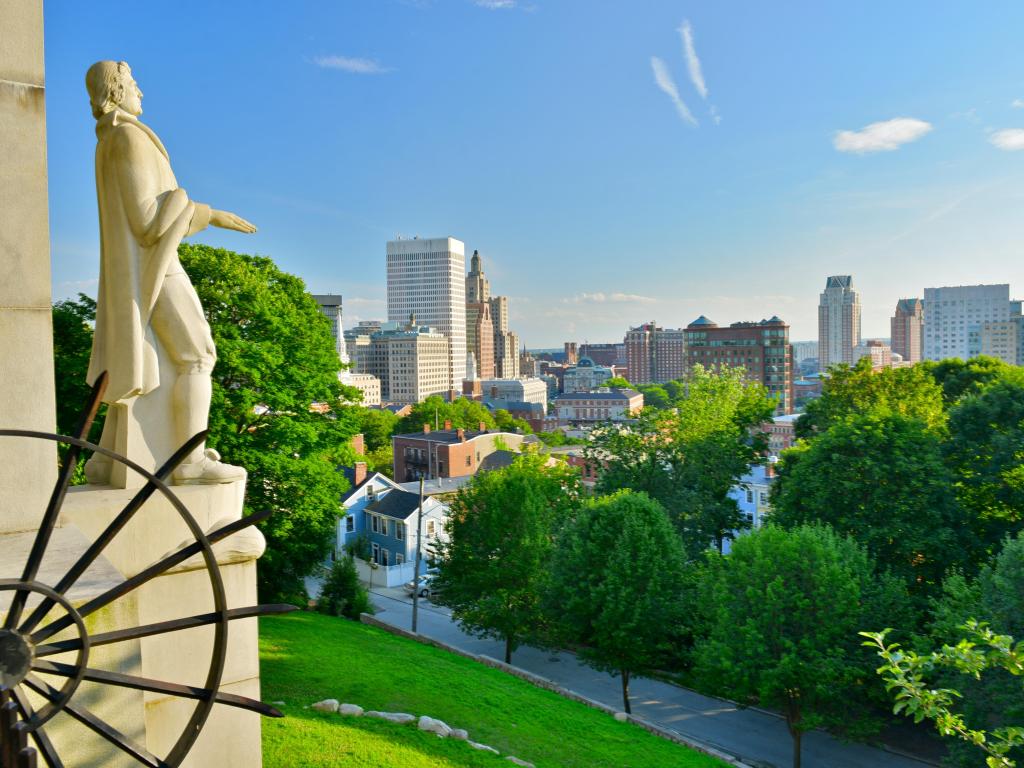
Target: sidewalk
{"points": [[754, 736]]}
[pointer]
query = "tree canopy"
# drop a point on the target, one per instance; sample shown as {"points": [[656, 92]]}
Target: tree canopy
{"points": [[880, 479], [853, 391], [463, 413], [689, 458], [787, 607], [494, 566], [615, 585], [275, 359]]}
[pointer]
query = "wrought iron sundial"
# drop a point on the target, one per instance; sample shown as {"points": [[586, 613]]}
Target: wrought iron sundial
{"points": [[28, 644]]}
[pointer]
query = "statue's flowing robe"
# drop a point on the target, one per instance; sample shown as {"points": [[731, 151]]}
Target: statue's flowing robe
{"points": [[143, 217]]}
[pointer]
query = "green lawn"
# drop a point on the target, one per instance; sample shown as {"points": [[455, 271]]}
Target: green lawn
{"points": [[306, 657]]}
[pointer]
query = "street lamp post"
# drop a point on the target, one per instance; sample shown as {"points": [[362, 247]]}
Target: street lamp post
{"points": [[416, 567]]}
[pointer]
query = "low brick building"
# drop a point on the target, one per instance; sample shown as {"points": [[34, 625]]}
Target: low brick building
{"points": [[449, 452], [595, 407]]}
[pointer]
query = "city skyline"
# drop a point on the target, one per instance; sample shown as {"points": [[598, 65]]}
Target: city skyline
{"points": [[606, 185]]}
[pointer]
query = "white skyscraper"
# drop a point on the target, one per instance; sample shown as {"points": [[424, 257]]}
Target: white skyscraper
{"points": [[955, 318], [838, 322], [427, 278]]}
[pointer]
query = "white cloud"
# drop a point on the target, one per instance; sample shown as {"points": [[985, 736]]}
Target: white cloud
{"points": [[692, 62], [1017, 103], [495, 5], [604, 298], [714, 114], [664, 81], [352, 65], [883, 136], [1010, 139]]}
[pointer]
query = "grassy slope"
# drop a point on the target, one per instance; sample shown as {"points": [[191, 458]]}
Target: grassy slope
{"points": [[306, 657]]}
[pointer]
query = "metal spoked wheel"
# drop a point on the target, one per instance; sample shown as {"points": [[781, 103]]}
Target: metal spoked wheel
{"points": [[28, 643]]}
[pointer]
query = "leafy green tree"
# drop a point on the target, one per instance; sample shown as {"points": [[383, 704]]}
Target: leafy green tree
{"points": [[986, 453], [72, 345], [787, 606], [463, 413], [995, 598], [910, 391], [377, 427], [907, 673], [494, 565], [616, 578], [275, 358], [655, 396], [342, 593], [688, 458], [559, 438], [617, 382], [958, 378], [506, 422], [881, 480]]}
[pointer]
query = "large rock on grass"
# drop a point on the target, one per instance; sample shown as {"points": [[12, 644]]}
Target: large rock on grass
{"points": [[350, 709], [327, 705], [431, 725]]}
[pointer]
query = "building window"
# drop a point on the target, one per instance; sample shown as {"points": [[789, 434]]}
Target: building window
{"points": [[384, 526], [375, 553], [385, 558], [431, 529], [399, 530], [750, 496], [350, 524], [469, 460], [399, 558], [374, 524]]}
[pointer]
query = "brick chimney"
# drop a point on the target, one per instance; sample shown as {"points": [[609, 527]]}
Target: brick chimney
{"points": [[447, 424], [461, 434], [426, 429], [359, 445], [360, 473]]}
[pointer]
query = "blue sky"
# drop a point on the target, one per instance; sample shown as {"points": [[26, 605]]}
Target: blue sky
{"points": [[609, 172]]}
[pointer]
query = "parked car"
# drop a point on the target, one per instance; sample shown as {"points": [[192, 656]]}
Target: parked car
{"points": [[425, 583]]}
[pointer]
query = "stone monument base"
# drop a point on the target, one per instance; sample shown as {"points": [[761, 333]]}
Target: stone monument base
{"points": [[231, 736]]}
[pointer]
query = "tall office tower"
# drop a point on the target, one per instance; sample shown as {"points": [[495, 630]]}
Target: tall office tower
{"points": [[330, 306], [954, 318], [480, 338], [761, 349], [655, 355], [478, 288], [838, 322], [908, 329], [1017, 316], [506, 342], [571, 354], [427, 278]]}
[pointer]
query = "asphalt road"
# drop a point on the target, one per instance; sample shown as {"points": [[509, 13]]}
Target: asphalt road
{"points": [[756, 737]]}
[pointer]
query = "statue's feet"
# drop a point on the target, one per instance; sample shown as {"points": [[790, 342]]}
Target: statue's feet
{"points": [[97, 469], [209, 470]]}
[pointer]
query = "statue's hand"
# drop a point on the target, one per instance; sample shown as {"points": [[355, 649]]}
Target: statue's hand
{"points": [[227, 220]]}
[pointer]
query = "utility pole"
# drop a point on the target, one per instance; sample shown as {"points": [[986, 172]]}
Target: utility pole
{"points": [[416, 567]]}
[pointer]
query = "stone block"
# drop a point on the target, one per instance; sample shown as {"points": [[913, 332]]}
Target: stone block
{"points": [[21, 45]]}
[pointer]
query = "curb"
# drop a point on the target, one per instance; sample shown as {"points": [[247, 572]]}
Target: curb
{"points": [[543, 682]]}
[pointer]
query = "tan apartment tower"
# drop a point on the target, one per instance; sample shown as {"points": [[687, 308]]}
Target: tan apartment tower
{"points": [[908, 330], [838, 322], [655, 355]]}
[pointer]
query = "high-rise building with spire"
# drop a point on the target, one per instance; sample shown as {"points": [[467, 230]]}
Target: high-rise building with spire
{"points": [[479, 325], [838, 322]]}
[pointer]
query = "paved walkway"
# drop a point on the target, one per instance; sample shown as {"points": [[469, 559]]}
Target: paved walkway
{"points": [[756, 737]]}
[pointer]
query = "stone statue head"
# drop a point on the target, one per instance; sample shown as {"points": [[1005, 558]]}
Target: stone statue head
{"points": [[111, 85]]}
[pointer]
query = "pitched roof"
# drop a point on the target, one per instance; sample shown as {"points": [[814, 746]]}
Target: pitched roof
{"points": [[497, 460], [396, 503]]}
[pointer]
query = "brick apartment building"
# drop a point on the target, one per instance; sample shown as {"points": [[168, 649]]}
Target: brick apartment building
{"points": [[762, 349], [449, 452], [655, 355]]}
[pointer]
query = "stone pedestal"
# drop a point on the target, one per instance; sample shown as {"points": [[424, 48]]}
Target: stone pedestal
{"points": [[26, 336], [231, 736]]}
